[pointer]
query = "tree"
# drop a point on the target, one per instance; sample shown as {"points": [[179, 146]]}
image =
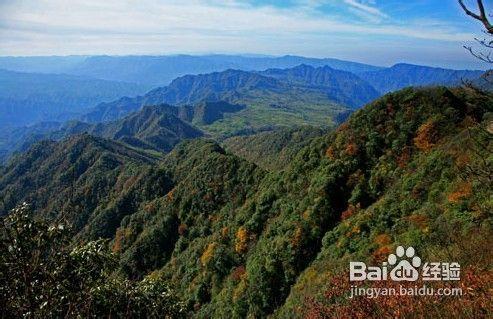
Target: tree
{"points": [[44, 275], [487, 44]]}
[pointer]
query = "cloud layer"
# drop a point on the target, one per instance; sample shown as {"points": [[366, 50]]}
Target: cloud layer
{"points": [[310, 27]]}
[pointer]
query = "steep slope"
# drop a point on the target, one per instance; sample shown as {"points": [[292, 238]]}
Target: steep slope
{"points": [[272, 150], [71, 177], [153, 127], [403, 75], [26, 98], [343, 87]]}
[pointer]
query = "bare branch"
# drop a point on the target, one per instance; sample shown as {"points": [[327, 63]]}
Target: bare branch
{"points": [[482, 16]]}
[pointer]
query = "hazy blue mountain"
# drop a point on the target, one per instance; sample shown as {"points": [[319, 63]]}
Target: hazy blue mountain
{"points": [[26, 98], [41, 64], [403, 75], [161, 70], [344, 87], [153, 127]]}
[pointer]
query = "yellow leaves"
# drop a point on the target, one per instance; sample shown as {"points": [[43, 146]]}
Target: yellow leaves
{"points": [[462, 191], [306, 215], [240, 289], [242, 237], [426, 136], [170, 195], [208, 254], [354, 231]]}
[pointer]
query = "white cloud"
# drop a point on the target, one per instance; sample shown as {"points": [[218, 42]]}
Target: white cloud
{"points": [[366, 8], [153, 26]]}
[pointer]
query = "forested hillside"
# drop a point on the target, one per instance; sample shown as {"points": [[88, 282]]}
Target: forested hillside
{"points": [[272, 150], [236, 241]]}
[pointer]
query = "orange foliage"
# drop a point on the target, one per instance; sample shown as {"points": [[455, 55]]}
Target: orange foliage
{"points": [[351, 149], [330, 153], [238, 273], [421, 221], [381, 254], [382, 239], [426, 136], [343, 127], [350, 211], [463, 191], [170, 194], [241, 245]]}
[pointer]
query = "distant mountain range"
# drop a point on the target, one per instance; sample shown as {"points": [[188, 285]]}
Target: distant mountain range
{"points": [[27, 98], [403, 75], [161, 70]]}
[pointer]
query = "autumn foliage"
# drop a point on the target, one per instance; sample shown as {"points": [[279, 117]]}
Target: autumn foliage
{"points": [[241, 240], [426, 136]]}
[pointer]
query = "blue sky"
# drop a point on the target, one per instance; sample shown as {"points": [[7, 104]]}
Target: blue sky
{"points": [[381, 32]]}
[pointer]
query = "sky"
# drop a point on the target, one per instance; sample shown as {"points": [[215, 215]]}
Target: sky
{"points": [[380, 32]]}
